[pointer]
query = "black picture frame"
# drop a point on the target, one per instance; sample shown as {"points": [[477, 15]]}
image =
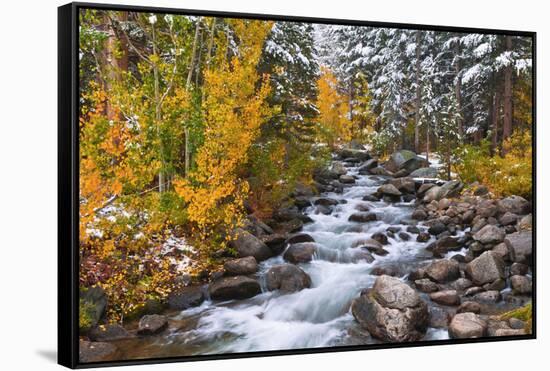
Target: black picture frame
{"points": [[68, 183]]}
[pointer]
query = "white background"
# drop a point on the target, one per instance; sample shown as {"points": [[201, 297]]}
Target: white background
{"points": [[28, 155]]}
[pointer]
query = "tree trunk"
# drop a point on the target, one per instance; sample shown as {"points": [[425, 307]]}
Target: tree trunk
{"points": [[427, 141], [494, 126], [507, 98], [458, 95], [193, 54], [418, 97], [211, 43], [116, 60]]}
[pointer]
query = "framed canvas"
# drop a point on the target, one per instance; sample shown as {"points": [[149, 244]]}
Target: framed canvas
{"points": [[241, 185]]}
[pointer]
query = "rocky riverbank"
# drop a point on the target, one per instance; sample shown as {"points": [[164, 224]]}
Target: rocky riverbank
{"points": [[370, 252]]}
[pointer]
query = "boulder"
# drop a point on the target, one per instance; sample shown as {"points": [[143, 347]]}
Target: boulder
{"points": [[380, 237], [287, 278], [300, 237], [109, 332], [187, 297], [446, 297], [424, 172], [423, 237], [467, 325], [469, 306], [242, 266], [526, 223], [519, 269], [391, 311], [426, 285], [490, 234], [369, 164], [515, 205], [347, 179], [325, 201], [419, 214], [521, 247], [379, 170], [389, 190], [361, 155], [443, 270], [362, 217], [300, 252], [439, 317], [94, 301], [488, 297], [152, 324], [248, 245], [276, 242], [89, 351], [437, 228], [508, 219], [452, 188], [234, 287], [338, 168], [521, 285], [404, 185], [486, 268], [302, 202]]}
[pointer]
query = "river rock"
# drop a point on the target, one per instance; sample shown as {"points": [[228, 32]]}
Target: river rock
{"points": [[469, 306], [521, 247], [439, 317], [467, 325], [109, 332], [276, 242], [389, 190], [299, 238], [404, 185], [526, 223], [300, 252], [187, 297], [490, 234], [97, 351], [287, 278], [521, 285], [152, 324], [242, 266], [347, 179], [424, 172], [234, 287], [362, 217], [419, 214], [361, 155], [514, 204], [391, 311], [338, 168], [443, 270], [508, 219], [369, 164], [379, 170], [519, 269], [325, 201], [423, 237], [426, 285], [302, 202], [486, 268], [446, 297], [436, 228], [488, 297], [248, 245]]}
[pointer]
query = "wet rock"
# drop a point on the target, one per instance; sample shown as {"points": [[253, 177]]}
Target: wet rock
{"points": [[423, 237], [287, 278], [325, 210], [152, 324], [471, 291], [443, 270], [514, 204], [367, 243], [497, 285], [521, 285], [490, 234], [461, 284], [521, 247], [437, 228], [439, 317], [96, 351], [404, 185], [446, 297], [508, 219], [242, 266], [325, 201], [300, 237], [391, 311], [276, 242], [379, 170], [419, 214], [486, 268], [369, 164], [519, 269], [338, 168], [404, 236], [424, 172], [235, 287], [413, 229], [300, 252], [362, 217], [380, 237], [389, 190], [469, 306], [109, 332], [362, 255], [370, 198], [426, 285], [248, 245], [187, 297], [302, 202], [361, 155], [393, 229], [362, 207], [488, 297], [292, 226], [347, 179], [467, 325]]}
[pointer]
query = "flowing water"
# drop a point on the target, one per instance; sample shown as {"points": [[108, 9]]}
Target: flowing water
{"points": [[316, 317]]}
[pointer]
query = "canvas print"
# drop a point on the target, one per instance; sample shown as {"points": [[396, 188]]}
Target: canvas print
{"points": [[251, 185]]}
